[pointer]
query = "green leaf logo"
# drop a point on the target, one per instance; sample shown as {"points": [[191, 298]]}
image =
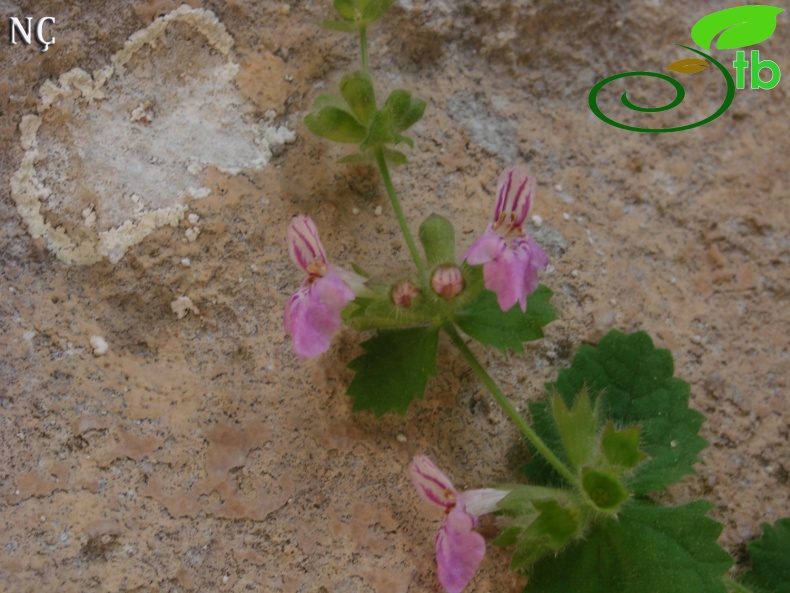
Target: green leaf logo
{"points": [[739, 26]]}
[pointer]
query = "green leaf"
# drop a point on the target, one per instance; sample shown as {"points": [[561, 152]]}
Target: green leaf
{"points": [[394, 369], [621, 447], [770, 556], [401, 139], [437, 236], [645, 550], [553, 527], [603, 489], [380, 130], [577, 427], [340, 26], [484, 321], [347, 9], [405, 110], [357, 90], [633, 380], [329, 100], [556, 522], [395, 157], [335, 124], [739, 26], [357, 157], [375, 10], [538, 521]]}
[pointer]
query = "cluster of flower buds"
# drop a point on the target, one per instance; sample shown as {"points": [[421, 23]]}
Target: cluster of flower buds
{"points": [[510, 258]]}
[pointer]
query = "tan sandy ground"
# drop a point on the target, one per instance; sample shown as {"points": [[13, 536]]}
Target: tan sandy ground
{"points": [[197, 453]]}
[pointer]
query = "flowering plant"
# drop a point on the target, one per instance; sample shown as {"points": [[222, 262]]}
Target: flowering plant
{"points": [[610, 432]]}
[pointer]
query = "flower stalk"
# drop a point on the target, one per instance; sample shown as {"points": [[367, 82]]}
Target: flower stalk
{"points": [[509, 409], [363, 44], [404, 227]]}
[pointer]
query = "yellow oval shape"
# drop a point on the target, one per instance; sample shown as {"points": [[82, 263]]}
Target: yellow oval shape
{"points": [[689, 65]]}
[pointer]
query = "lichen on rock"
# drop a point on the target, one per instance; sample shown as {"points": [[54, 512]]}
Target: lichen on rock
{"points": [[114, 155]]}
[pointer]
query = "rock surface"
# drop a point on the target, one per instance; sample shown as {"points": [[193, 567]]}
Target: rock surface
{"points": [[197, 453]]}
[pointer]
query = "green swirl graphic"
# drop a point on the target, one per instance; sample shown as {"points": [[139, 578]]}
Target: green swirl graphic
{"points": [[680, 94]]}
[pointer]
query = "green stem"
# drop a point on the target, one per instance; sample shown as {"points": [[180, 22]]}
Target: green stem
{"points": [[363, 43], [404, 227], [734, 586], [510, 410]]}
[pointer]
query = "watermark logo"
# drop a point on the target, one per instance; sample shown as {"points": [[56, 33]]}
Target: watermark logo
{"points": [[735, 28], [25, 32]]}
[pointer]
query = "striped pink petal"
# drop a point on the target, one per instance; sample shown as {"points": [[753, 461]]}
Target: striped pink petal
{"points": [[431, 484], [304, 246], [515, 190]]}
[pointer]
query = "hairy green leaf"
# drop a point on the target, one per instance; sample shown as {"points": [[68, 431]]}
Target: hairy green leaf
{"points": [[484, 321], [380, 130], [375, 9], [577, 426], [335, 124], [347, 9], [740, 26], [770, 555], [329, 100], [357, 157], [645, 549], [542, 525], [437, 236], [394, 369], [633, 379], [621, 447], [345, 27], [603, 489], [406, 111], [357, 90], [395, 157]]}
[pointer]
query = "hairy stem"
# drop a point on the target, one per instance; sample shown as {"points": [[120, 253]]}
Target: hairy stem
{"points": [[510, 410], [363, 44], [404, 227]]}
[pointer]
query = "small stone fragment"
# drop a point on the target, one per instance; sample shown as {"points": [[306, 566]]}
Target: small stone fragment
{"points": [[99, 345], [183, 305]]}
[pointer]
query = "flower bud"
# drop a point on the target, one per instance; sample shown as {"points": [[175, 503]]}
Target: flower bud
{"points": [[403, 293], [447, 282]]}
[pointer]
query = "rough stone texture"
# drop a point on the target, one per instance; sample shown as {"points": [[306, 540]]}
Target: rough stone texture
{"points": [[197, 453]]}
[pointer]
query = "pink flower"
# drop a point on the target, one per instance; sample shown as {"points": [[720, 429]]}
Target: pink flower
{"points": [[510, 257], [459, 549], [313, 312]]}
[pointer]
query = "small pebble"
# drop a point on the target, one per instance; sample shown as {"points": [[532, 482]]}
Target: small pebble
{"points": [[537, 220], [558, 187], [696, 339], [401, 438], [186, 262], [575, 273], [378, 211], [193, 218], [566, 216], [99, 345], [355, 210]]}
